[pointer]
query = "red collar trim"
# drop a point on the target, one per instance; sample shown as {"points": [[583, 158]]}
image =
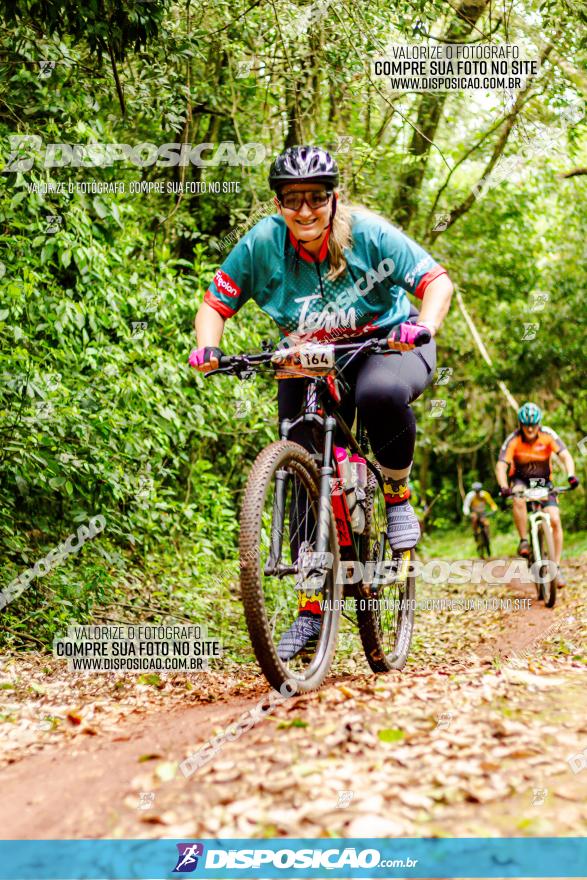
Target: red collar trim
{"points": [[306, 255]]}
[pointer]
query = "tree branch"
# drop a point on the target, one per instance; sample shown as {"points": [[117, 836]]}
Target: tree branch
{"points": [[573, 172], [573, 73], [242, 15], [117, 80], [430, 110], [394, 95], [464, 158], [498, 149]]}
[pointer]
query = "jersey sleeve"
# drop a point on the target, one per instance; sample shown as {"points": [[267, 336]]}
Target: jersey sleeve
{"points": [[231, 286], [506, 453], [487, 497], [556, 444], [467, 503], [414, 268]]}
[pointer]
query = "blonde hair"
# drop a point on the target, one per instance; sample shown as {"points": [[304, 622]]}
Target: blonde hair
{"points": [[341, 237]]}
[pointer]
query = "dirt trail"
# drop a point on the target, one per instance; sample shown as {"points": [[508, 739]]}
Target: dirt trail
{"points": [[467, 741]]}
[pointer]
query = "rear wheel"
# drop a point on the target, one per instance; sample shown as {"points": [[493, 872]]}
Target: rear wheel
{"points": [[547, 570], [386, 602], [277, 548]]}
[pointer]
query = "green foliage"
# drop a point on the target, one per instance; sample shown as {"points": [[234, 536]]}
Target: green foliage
{"points": [[105, 25]]}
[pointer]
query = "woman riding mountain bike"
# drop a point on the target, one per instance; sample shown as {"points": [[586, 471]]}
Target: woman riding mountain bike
{"points": [[328, 271]]}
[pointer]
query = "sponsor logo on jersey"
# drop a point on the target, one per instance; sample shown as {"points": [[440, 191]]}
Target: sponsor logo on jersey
{"points": [[225, 284]]}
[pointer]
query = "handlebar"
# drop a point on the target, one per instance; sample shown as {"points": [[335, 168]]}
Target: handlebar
{"points": [[538, 493], [239, 364]]}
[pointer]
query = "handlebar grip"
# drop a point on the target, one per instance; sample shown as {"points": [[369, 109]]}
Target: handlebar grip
{"points": [[422, 338]]}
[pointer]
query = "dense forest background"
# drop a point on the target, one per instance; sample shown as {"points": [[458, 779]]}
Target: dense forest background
{"points": [[99, 412]]}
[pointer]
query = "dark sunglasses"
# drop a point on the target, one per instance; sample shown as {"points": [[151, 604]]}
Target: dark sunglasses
{"points": [[314, 198]]}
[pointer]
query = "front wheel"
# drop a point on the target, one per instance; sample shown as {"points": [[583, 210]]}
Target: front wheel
{"points": [[386, 601], [486, 540], [281, 572], [547, 569]]}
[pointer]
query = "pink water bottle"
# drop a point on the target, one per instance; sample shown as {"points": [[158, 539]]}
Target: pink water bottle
{"points": [[344, 466], [353, 474]]}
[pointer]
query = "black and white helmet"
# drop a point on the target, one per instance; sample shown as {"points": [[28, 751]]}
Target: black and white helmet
{"points": [[298, 164]]}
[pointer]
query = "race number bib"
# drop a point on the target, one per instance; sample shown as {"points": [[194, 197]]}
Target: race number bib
{"points": [[317, 357]]}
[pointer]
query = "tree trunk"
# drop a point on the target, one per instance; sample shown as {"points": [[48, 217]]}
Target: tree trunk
{"points": [[429, 115], [294, 132]]}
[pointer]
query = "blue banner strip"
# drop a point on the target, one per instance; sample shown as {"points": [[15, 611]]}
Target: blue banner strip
{"points": [[288, 857]]}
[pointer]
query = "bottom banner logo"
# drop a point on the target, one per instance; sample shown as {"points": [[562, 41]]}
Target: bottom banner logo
{"points": [[187, 860]]}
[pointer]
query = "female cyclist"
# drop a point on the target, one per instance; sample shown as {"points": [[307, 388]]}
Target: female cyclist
{"points": [[325, 271]]}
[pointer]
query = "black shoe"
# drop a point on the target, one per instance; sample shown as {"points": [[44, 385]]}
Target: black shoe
{"points": [[524, 548]]}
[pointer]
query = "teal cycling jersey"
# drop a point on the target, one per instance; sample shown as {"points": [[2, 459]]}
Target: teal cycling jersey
{"points": [[271, 268]]}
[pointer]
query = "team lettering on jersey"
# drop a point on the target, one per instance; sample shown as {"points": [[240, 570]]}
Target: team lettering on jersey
{"points": [[332, 316]]}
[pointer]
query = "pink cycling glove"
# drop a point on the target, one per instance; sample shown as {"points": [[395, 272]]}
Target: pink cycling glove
{"points": [[199, 357]]}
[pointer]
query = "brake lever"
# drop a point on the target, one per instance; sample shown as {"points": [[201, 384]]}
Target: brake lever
{"points": [[218, 370]]}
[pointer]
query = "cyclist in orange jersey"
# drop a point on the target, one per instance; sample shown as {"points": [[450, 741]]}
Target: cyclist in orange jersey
{"points": [[525, 458]]}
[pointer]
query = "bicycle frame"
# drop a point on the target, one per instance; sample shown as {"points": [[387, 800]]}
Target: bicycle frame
{"points": [[317, 392], [537, 515], [318, 397]]}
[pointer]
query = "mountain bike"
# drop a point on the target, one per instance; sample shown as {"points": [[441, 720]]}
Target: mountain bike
{"points": [[296, 531], [541, 540], [481, 534]]}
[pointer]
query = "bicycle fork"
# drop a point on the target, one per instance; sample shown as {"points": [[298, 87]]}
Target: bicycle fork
{"points": [[319, 561], [273, 566]]}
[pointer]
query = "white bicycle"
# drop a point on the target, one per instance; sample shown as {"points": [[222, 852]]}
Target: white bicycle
{"points": [[542, 559]]}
